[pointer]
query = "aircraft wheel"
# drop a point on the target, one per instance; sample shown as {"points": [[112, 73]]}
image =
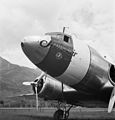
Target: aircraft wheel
{"points": [[58, 115]]}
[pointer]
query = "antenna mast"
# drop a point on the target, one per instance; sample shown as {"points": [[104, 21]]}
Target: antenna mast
{"points": [[64, 29]]}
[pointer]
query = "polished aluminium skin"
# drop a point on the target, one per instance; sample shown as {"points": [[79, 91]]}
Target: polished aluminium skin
{"points": [[83, 71]]}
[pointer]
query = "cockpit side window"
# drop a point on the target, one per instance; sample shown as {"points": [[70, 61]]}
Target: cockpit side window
{"points": [[66, 38], [58, 36]]}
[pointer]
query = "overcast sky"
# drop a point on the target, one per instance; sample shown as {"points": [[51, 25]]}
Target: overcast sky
{"points": [[91, 20]]}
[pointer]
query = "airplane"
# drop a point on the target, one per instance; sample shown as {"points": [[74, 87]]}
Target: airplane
{"points": [[73, 72]]}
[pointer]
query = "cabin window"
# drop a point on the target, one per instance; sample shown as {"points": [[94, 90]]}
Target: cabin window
{"points": [[66, 38]]}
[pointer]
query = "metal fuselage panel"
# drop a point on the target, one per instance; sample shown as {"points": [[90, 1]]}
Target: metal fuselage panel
{"points": [[58, 58], [86, 70], [97, 74], [70, 61], [78, 66]]}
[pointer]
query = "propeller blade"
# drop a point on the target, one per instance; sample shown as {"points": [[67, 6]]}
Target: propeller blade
{"points": [[30, 83], [36, 85], [111, 101], [37, 104], [42, 74], [27, 83]]}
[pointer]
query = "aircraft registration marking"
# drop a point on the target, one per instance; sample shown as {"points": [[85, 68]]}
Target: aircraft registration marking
{"points": [[74, 53], [61, 47]]}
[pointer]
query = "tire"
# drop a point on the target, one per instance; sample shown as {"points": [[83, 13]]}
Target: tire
{"points": [[58, 115]]}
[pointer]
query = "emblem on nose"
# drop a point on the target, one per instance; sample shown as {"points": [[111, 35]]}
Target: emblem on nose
{"points": [[59, 55], [44, 43]]}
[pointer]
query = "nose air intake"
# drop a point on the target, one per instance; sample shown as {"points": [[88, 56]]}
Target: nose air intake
{"points": [[22, 44]]}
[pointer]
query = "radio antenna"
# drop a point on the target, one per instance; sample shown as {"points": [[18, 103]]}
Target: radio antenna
{"points": [[64, 29]]}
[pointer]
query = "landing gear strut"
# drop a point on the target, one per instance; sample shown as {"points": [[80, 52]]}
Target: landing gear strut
{"points": [[62, 114]]}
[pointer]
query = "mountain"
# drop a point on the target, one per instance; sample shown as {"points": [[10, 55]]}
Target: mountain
{"points": [[12, 76]]}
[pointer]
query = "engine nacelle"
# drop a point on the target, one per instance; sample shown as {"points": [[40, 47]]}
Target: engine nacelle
{"points": [[51, 88]]}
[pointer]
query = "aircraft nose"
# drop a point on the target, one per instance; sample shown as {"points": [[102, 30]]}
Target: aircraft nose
{"points": [[22, 44], [23, 41], [29, 42], [33, 49]]}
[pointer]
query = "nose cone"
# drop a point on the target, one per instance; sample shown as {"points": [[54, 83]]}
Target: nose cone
{"points": [[32, 48], [22, 44]]}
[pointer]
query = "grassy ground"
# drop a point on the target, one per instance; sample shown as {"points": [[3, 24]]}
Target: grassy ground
{"points": [[47, 114], [22, 117]]}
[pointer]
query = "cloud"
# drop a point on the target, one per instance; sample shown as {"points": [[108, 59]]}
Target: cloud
{"points": [[89, 19], [20, 18], [93, 21]]}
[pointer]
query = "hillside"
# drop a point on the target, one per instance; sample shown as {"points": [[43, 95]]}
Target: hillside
{"points": [[12, 76]]}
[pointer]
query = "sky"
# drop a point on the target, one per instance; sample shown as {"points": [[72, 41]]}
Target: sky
{"points": [[91, 20]]}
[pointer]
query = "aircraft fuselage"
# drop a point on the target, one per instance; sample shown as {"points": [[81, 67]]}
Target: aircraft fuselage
{"points": [[69, 60]]}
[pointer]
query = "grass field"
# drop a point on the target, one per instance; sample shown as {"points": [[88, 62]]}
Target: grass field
{"points": [[47, 114]]}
